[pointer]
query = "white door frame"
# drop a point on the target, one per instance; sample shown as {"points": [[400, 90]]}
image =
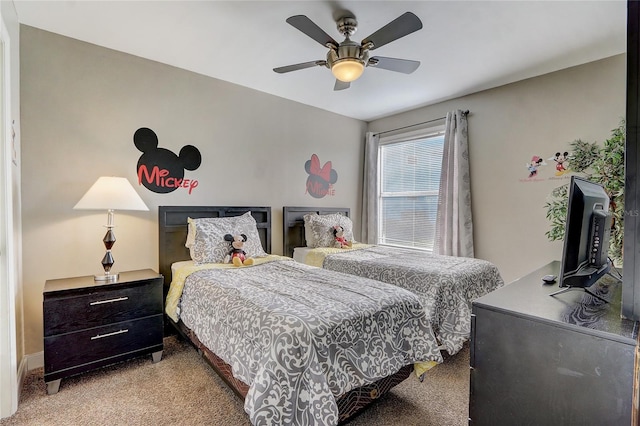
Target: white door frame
{"points": [[8, 353]]}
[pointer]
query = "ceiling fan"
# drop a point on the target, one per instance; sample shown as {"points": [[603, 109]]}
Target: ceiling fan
{"points": [[348, 59]]}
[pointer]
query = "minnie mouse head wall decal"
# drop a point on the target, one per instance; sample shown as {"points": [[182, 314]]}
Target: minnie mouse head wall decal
{"points": [[159, 169], [321, 179]]}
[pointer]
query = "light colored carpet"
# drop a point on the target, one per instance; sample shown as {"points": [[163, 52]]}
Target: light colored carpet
{"points": [[182, 389]]}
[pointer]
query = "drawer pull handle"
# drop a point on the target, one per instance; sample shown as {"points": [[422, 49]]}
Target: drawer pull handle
{"points": [[100, 302], [100, 336]]}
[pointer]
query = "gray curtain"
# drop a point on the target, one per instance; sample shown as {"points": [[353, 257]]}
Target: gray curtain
{"points": [[454, 225], [369, 218]]}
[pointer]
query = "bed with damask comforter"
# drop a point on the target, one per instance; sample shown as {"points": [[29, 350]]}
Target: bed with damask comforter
{"points": [[300, 337], [446, 285], [298, 343]]}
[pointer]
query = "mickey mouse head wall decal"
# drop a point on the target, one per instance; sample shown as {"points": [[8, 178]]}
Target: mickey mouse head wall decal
{"points": [[160, 170], [321, 179]]}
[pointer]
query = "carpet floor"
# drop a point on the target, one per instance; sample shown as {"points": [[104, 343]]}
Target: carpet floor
{"points": [[183, 389]]}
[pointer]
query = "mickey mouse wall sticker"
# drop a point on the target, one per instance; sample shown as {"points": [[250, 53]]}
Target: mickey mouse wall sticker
{"points": [[562, 162], [321, 179], [159, 169], [539, 173]]}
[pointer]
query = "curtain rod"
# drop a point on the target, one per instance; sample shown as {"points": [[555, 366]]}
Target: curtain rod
{"points": [[417, 124]]}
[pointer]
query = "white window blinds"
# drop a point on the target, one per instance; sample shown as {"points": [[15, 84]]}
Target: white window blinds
{"points": [[409, 172]]}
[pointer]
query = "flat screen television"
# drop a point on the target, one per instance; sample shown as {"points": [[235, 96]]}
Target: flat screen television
{"points": [[585, 256]]}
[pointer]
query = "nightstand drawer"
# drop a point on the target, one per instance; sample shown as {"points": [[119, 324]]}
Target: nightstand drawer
{"points": [[101, 343], [102, 306]]}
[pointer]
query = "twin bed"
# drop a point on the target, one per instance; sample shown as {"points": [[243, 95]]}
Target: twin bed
{"points": [[446, 285], [301, 344]]}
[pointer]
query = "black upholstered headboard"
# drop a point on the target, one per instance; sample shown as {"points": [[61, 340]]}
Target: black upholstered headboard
{"points": [[293, 224], [172, 230]]}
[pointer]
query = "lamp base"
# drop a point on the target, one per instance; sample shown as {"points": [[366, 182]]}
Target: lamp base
{"points": [[106, 278]]}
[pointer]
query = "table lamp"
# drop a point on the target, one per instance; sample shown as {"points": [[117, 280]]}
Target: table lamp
{"points": [[110, 193]]}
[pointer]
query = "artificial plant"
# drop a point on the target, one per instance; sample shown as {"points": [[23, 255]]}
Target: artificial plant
{"points": [[604, 165]]}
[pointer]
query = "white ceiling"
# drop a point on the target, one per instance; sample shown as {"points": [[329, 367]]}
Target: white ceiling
{"points": [[463, 47]]}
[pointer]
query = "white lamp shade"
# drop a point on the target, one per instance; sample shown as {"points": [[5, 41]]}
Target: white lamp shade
{"points": [[111, 193]]}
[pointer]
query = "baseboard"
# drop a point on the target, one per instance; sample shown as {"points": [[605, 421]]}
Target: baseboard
{"points": [[22, 374], [35, 360]]}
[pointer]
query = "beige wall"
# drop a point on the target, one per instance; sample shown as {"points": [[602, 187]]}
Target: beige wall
{"points": [[507, 126], [81, 105]]}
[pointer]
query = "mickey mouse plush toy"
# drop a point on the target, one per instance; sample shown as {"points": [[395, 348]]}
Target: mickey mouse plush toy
{"points": [[237, 255], [341, 241]]}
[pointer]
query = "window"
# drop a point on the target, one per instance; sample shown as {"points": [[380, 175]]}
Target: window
{"points": [[409, 173]]}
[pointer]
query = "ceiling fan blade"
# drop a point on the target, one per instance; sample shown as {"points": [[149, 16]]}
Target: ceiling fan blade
{"points": [[341, 85], [405, 66], [403, 25], [308, 27], [295, 67]]}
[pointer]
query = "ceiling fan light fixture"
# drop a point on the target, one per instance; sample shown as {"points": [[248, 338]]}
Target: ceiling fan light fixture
{"points": [[347, 59], [347, 69]]}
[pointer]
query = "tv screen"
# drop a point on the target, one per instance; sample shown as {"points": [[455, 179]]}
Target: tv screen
{"points": [[587, 230]]}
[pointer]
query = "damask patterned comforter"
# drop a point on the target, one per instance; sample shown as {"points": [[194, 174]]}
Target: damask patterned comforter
{"points": [[446, 285], [301, 336]]}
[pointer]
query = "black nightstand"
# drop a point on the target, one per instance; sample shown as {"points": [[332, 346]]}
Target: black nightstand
{"points": [[89, 324]]}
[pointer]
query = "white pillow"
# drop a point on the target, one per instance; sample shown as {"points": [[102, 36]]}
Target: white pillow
{"points": [[318, 229], [205, 238]]}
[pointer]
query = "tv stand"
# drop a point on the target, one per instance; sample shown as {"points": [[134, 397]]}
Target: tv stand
{"points": [[586, 276], [580, 288]]}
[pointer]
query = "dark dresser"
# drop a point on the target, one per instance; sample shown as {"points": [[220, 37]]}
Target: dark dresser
{"points": [[537, 359], [88, 325]]}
